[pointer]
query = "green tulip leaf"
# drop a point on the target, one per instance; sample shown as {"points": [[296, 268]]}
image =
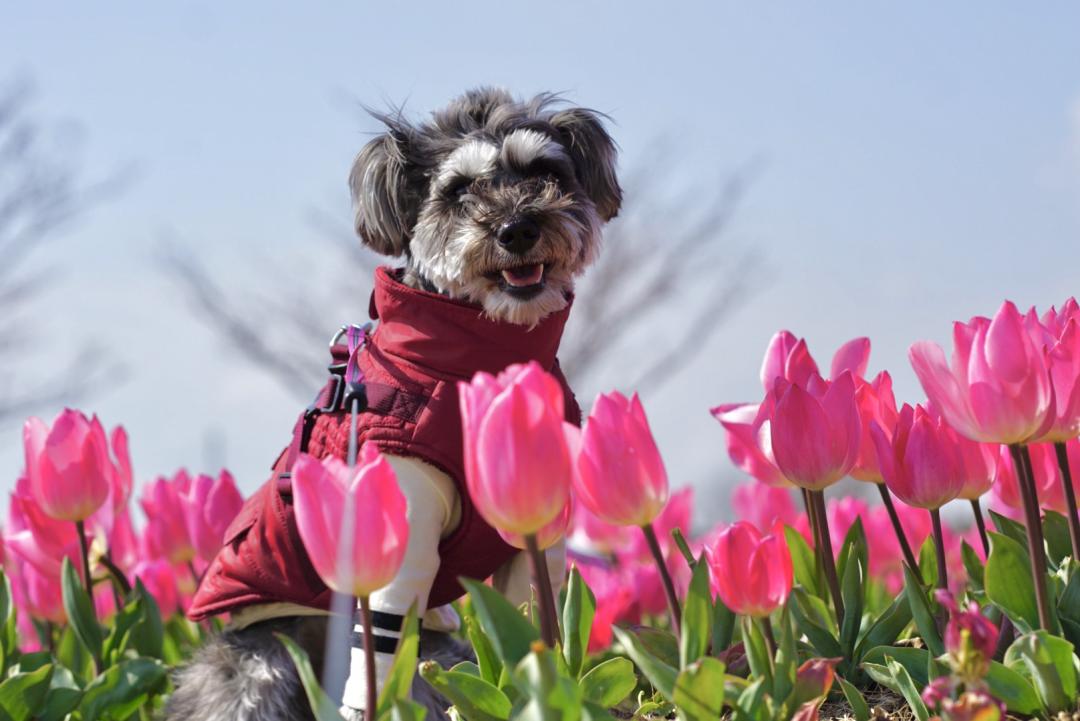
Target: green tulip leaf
{"points": [[474, 698], [1052, 666], [886, 628], [973, 566], [321, 706], [906, 687], [723, 626], [1056, 533], [699, 690], [610, 682], [122, 689], [22, 696], [851, 590], [1008, 581], [660, 674], [1013, 689], [696, 616], [510, 633], [921, 613], [1008, 527], [80, 610], [577, 619], [802, 561], [859, 708]]}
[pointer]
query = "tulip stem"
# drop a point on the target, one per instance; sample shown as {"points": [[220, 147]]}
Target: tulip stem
{"points": [[826, 553], [1070, 498], [901, 537], [770, 637], [80, 528], [980, 523], [811, 516], [665, 576], [549, 624], [369, 657], [119, 579], [1036, 550], [939, 548]]}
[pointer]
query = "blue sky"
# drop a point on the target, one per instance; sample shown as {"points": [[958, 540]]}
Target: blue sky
{"points": [[920, 164]]}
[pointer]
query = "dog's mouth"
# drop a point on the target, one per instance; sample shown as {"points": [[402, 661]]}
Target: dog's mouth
{"points": [[522, 281]]}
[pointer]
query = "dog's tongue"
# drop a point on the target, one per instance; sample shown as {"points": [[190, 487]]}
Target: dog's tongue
{"points": [[524, 275]]}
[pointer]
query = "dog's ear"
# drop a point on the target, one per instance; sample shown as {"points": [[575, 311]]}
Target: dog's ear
{"points": [[385, 208], [593, 153]]}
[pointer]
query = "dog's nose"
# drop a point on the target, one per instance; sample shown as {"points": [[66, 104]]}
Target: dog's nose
{"points": [[518, 235]]}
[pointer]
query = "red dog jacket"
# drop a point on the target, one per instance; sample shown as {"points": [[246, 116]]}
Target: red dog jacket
{"points": [[424, 344]]}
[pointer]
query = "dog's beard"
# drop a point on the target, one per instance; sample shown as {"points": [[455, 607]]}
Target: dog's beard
{"points": [[462, 260]]}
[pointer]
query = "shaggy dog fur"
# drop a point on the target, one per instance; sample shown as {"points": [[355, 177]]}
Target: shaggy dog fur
{"points": [[495, 201]]}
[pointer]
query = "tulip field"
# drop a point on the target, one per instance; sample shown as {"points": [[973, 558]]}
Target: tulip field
{"points": [[813, 604]]}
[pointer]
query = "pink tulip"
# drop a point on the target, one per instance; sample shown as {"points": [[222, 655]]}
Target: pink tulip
{"points": [[166, 532], [764, 506], [876, 405], [35, 594], [68, 465], [36, 537], [601, 537], [998, 389], [886, 556], [547, 536], [324, 492], [1059, 337], [978, 467], [614, 602], [208, 506], [751, 573], [816, 431], [159, 578], [920, 461], [970, 637], [619, 474], [748, 447], [517, 460], [787, 357]]}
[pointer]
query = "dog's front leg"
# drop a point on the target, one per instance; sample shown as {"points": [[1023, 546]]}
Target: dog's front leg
{"points": [[433, 512]]}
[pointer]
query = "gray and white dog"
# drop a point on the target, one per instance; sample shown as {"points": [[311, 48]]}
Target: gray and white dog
{"points": [[495, 201]]}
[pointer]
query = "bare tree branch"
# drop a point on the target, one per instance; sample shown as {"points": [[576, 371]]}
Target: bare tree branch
{"points": [[41, 193]]}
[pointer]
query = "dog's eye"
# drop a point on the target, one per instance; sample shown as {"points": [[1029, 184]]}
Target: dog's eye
{"points": [[458, 188], [540, 168]]}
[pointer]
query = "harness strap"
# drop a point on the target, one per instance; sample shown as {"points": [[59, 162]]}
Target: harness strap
{"points": [[380, 398]]}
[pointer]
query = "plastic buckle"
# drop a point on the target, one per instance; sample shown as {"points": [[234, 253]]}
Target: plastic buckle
{"points": [[334, 402]]}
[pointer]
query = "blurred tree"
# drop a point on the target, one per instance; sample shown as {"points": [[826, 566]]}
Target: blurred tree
{"points": [[42, 193], [664, 282]]}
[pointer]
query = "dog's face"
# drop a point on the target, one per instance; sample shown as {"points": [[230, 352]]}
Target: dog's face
{"points": [[495, 201]]}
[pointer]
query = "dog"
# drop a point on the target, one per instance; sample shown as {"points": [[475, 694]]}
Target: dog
{"points": [[495, 206]]}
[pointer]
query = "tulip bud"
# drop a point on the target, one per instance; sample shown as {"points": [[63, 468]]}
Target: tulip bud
{"points": [[751, 573], [517, 459], [620, 476], [920, 461], [998, 389], [970, 639], [816, 431], [208, 506], [68, 465], [323, 492]]}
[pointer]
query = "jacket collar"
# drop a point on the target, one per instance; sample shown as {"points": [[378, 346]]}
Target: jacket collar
{"points": [[450, 338]]}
